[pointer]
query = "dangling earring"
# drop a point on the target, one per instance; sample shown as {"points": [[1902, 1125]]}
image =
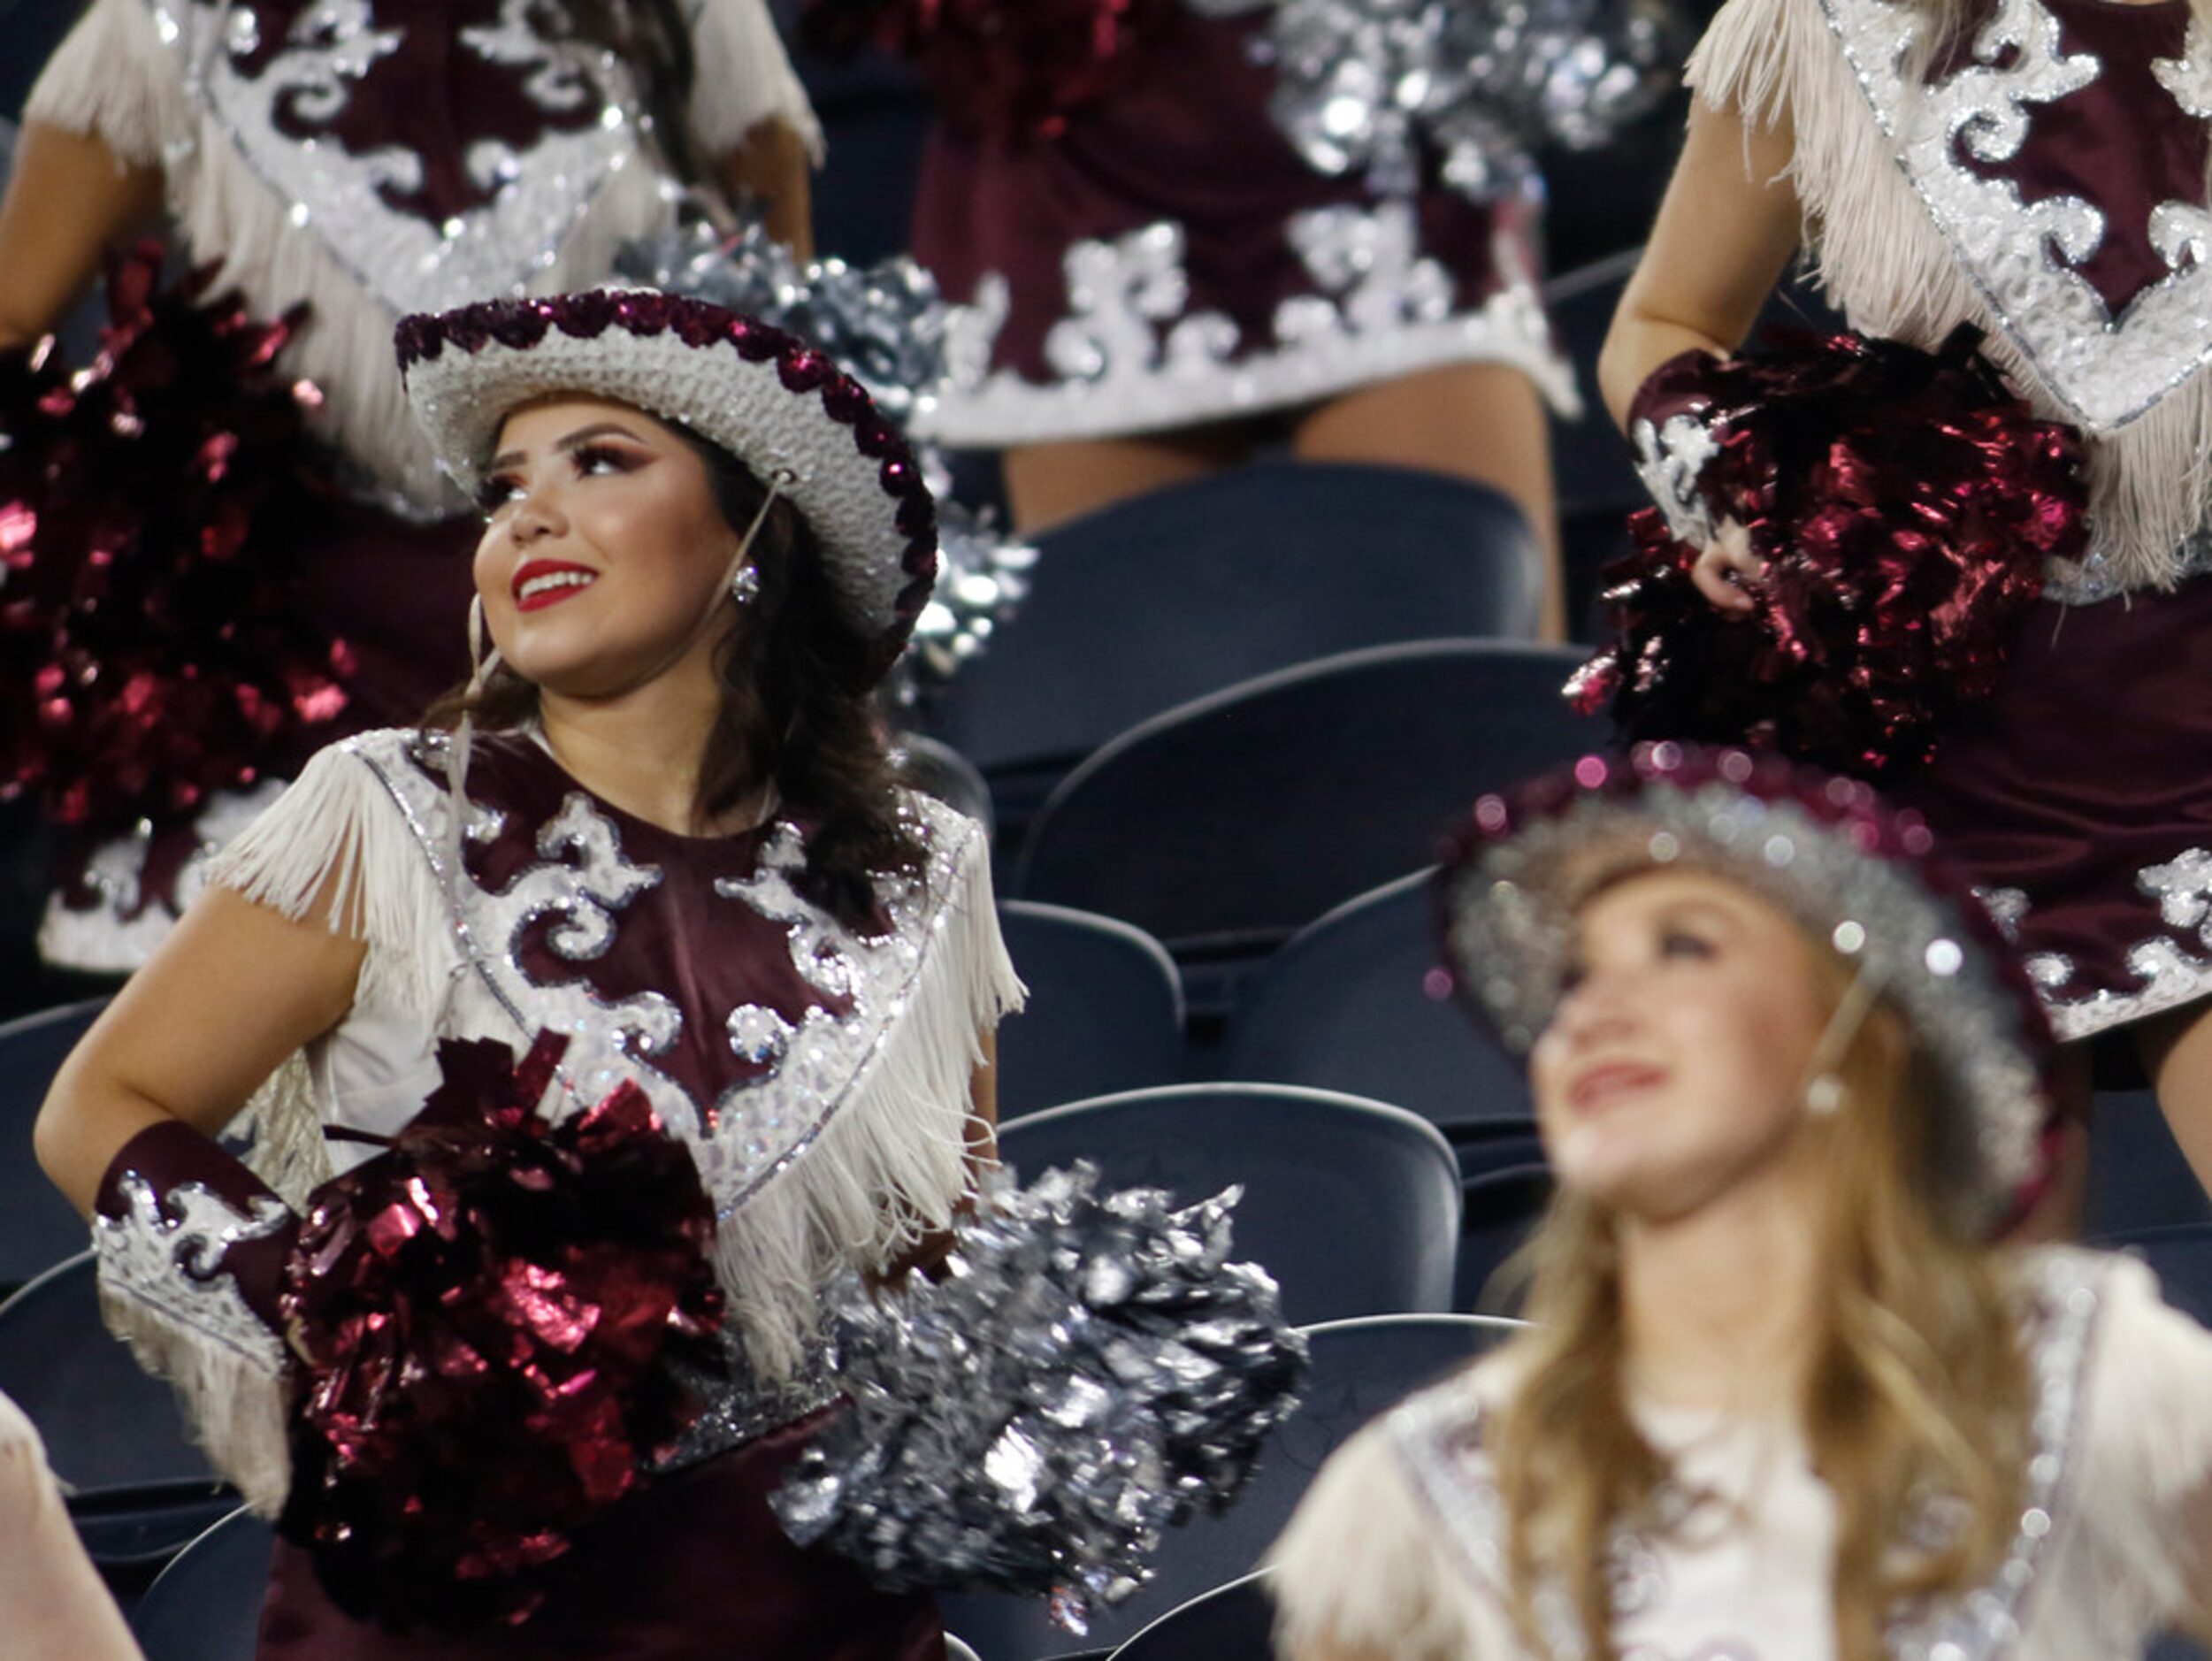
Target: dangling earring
{"points": [[1824, 1097], [484, 660], [745, 587]]}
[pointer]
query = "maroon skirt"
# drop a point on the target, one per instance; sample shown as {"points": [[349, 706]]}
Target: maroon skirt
{"points": [[2079, 800], [1167, 258], [692, 1568]]}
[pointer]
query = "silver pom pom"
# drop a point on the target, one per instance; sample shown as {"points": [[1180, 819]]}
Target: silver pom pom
{"points": [[1366, 85], [884, 325], [1090, 1369]]}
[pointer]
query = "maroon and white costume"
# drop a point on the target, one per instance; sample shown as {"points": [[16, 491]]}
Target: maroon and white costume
{"points": [[1161, 254], [370, 158], [1401, 1543], [818, 1073], [2046, 184]]}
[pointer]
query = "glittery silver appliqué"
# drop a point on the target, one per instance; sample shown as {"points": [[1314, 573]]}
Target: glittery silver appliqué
{"points": [[123, 925], [756, 1127], [2169, 972], [1130, 355], [1671, 457], [2025, 257], [405, 261], [171, 1261]]}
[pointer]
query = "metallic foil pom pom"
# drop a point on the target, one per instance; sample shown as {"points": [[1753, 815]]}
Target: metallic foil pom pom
{"points": [[884, 325], [1090, 1369]]}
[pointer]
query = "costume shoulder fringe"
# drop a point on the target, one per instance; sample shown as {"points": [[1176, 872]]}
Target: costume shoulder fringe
{"points": [[894, 1162], [743, 77], [2143, 1473], [1881, 261], [335, 849], [116, 78], [1364, 1568]]}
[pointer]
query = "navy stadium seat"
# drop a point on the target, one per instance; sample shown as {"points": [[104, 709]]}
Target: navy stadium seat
{"points": [[1499, 1208], [1141, 606], [137, 1487], [1105, 1011], [1225, 826], [1352, 1205], [38, 1228], [937, 769], [1348, 1004], [1361, 1368], [1230, 1623], [206, 1605]]}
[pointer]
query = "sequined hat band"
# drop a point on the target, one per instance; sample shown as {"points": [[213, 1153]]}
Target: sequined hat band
{"points": [[1852, 870], [772, 401]]}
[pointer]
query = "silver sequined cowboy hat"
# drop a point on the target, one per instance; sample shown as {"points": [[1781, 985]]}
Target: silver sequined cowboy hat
{"points": [[776, 404], [1851, 869]]}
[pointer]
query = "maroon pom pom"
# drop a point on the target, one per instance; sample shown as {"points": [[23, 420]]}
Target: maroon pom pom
{"points": [[150, 516], [486, 1311], [1904, 502]]}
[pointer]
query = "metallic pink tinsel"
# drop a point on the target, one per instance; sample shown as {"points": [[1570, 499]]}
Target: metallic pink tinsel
{"points": [[1904, 502], [485, 1313], [150, 513]]}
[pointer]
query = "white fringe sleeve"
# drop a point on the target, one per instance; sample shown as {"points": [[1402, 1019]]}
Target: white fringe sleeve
{"points": [[893, 1165], [2146, 1495], [112, 79], [335, 849], [744, 77], [1364, 1571]]}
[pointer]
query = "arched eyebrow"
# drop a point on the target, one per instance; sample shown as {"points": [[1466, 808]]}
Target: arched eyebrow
{"points": [[574, 441]]}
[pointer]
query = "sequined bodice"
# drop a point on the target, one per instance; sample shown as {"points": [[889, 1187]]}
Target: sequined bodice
{"points": [[693, 965], [2061, 153], [441, 149]]}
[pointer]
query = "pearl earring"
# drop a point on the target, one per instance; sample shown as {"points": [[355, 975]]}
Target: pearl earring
{"points": [[1824, 1096]]}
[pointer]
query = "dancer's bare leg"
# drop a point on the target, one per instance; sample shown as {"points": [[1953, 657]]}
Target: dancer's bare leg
{"points": [[1047, 483], [2177, 1051], [1479, 421]]}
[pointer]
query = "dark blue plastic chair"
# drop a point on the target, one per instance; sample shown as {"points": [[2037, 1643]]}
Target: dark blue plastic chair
{"points": [[1347, 1005], [206, 1605], [937, 769], [38, 1228], [1230, 1623], [138, 1488], [2137, 1177], [1225, 826], [1352, 1205], [1361, 1368], [1105, 1011], [1500, 1208], [1147, 603]]}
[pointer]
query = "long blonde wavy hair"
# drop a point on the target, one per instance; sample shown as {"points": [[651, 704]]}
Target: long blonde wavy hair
{"points": [[1917, 1387]]}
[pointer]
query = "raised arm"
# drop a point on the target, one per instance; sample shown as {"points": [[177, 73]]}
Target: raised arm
{"points": [[1725, 231], [770, 166], [69, 199]]}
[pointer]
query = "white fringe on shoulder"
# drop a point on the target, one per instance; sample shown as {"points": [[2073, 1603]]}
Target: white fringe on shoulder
{"points": [[742, 78], [333, 849], [1364, 1569], [893, 1165], [1880, 259]]}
